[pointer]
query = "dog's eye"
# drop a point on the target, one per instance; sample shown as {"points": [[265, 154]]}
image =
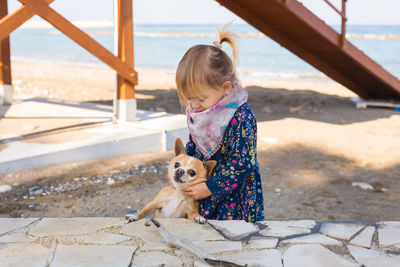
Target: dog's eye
{"points": [[192, 173], [177, 165]]}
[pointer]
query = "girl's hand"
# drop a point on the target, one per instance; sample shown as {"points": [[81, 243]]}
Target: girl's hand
{"points": [[198, 191]]}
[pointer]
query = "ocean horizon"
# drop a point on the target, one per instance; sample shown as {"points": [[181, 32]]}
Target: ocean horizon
{"points": [[161, 46]]}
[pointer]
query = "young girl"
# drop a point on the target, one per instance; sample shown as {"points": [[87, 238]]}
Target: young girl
{"points": [[222, 128]]}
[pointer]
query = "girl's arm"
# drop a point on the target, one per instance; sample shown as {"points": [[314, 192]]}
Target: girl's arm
{"points": [[190, 147], [241, 156]]}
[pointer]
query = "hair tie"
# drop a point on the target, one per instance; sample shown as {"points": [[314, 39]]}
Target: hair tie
{"points": [[217, 44]]}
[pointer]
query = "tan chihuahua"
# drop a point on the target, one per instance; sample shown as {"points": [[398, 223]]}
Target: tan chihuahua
{"points": [[171, 201]]}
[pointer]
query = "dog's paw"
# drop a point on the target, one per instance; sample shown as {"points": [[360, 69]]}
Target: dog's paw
{"points": [[131, 217], [200, 219]]}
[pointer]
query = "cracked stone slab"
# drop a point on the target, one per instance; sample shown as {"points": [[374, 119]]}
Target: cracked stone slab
{"points": [[24, 254], [93, 255], [11, 224], [235, 230], [156, 247], [370, 257], [313, 255], [177, 227], [73, 226], [364, 239], [103, 238], [18, 237], [340, 230], [265, 258], [156, 259], [287, 228], [263, 243], [219, 246], [312, 239], [389, 233]]}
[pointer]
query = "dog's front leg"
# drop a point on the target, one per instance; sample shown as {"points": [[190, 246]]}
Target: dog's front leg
{"points": [[193, 212], [149, 209]]}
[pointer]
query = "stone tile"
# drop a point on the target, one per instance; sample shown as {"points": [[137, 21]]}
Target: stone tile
{"points": [[263, 243], [156, 259], [267, 258], [156, 247], [11, 224], [18, 237], [73, 226], [177, 227], [235, 230], [93, 255], [364, 239], [103, 238], [389, 233], [340, 230], [313, 255], [287, 228], [215, 247], [312, 239], [24, 254], [369, 257]]}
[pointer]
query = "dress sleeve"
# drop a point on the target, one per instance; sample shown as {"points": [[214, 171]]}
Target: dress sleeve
{"points": [[240, 156], [190, 147]]}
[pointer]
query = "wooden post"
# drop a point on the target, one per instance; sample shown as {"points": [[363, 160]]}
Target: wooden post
{"points": [[5, 62], [126, 102], [344, 19]]}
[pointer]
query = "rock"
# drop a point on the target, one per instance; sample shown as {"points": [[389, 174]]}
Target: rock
{"points": [[155, 258], [267, 258], [110, 181], [178, 227], [312, 239], [389, 233], [215, 247], [11, 224], [100, 255], [364, 239], [73, 226], [5, 188], [236, 229], [313, 255], [18, 237], [363, 186], [263, 243], [24, 254], [340, 230], [370, 257], [287, 228]]}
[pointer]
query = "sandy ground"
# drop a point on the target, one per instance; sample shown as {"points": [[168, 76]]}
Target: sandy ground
{"points": [[312, 145]]}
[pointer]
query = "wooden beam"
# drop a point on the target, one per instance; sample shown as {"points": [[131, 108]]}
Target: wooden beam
{"points": [[12, 21], [125, 46], [5, 63], [50, 15]]}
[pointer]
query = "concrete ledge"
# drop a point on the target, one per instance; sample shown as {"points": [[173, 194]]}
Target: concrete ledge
{"points": [[6, 94], [112, 242], [151, 132]]}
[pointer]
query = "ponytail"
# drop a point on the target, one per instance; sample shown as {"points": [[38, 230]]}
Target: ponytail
{"points": [[230, 38]]}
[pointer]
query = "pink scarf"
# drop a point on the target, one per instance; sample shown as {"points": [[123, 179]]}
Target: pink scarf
{"points": [[207, 127]]}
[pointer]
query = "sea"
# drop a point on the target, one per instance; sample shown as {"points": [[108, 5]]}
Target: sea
{"points": [[162, 46]]}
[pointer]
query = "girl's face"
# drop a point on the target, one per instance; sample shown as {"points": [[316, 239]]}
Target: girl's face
{"points": [[208, 97]]}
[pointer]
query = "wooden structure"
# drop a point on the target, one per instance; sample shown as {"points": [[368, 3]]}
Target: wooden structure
{"points": [[296, 28], [122, 63]]}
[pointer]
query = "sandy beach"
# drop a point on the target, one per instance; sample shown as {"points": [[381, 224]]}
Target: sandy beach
{"points": [[313, 144]]}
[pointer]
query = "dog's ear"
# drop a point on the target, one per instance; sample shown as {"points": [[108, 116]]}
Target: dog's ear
{"points": [[209, 165], [179, 147]]}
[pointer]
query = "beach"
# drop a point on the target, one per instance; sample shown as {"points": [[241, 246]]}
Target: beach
{"points": [[313, 145]]}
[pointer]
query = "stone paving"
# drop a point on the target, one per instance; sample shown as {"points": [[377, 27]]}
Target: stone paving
{"points": [[112, 242]]}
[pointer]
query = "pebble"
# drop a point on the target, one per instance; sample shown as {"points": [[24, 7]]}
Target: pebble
{"points": [[363, 186], [5, 188]]}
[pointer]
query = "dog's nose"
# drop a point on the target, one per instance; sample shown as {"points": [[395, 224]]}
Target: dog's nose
{"points": [[179, 173]]}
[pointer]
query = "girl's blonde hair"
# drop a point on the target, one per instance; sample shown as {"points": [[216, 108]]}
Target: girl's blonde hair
{"points": [[206, 66]]}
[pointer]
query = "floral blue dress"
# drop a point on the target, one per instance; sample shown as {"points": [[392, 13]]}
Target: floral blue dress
{"points": [[235, 182]]}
